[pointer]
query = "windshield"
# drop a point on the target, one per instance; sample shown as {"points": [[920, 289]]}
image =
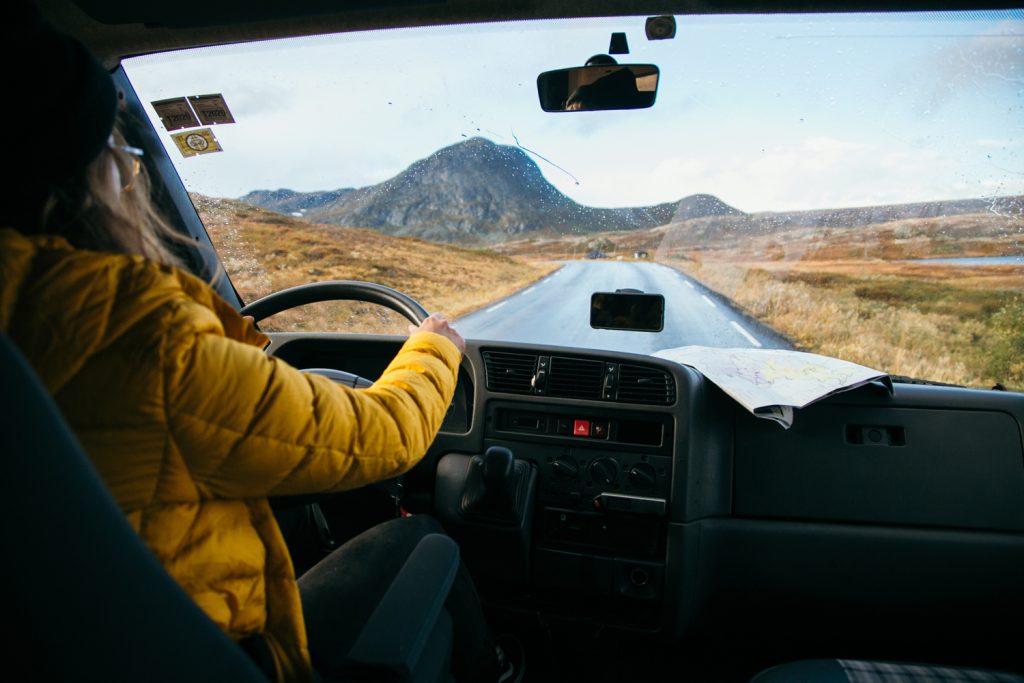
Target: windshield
{"points": [[849, 185]]}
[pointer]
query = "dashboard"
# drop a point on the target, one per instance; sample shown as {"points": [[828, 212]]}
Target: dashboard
{"points": [[662, 507]]}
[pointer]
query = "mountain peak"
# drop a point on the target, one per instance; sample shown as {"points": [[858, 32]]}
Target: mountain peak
{"points": [[482, 150], [472, 146], [475, 141], [478, 171], [701, 206]]}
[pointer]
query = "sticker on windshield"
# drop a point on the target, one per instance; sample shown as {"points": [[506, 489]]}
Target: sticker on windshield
{"points": [[193, 142], [175, 113], [211, 109]]}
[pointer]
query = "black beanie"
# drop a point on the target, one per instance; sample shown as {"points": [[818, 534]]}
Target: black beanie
{"points": [[61, 106]]}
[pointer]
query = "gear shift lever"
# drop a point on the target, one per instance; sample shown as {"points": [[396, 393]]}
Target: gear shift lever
{"points": [[486, 502], [493, 486]]}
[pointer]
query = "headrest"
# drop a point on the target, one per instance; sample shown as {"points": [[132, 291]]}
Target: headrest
{"points": [[60, 107]]}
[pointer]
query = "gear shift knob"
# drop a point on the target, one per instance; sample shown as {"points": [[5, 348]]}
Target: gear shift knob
{"points": [[497, 469]]}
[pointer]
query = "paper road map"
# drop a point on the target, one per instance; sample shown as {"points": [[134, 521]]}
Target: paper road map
{"points": [[770, 383]]}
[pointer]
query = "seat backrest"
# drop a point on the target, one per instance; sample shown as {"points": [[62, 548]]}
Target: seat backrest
{"points": [[81, 592]]}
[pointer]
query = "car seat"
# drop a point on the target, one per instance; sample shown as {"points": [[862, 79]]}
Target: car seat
{"points": [[84, 599], [862, 671]]}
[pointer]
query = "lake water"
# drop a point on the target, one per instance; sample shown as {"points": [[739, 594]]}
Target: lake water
{"points": [[976, 261]]}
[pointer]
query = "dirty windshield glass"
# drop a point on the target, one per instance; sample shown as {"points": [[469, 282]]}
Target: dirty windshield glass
{"points": [[849, 185]]}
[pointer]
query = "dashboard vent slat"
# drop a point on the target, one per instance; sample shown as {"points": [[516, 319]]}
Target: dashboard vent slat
{"points": [[510, 372], [641, 384], [575, 378], [513, 372]]}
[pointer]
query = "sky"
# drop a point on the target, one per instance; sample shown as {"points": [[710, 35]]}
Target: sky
{"points": [[766, 113]]}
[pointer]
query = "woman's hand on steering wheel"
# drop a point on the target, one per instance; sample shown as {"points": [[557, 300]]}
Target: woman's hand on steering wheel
{"points": [[438, 324]]}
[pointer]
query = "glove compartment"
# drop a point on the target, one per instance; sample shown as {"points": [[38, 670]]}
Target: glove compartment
{"points": [[897, 464]]}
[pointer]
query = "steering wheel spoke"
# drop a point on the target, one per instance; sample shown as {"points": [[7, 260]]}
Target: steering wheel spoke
{"points": [[341, 377]]}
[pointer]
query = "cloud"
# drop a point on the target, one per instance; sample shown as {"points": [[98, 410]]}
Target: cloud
{"points": [[809, 173], [996, 143], [994, 58], [828, 146]]}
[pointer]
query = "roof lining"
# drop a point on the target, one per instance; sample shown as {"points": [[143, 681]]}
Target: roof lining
{"points": [[121, 34]]}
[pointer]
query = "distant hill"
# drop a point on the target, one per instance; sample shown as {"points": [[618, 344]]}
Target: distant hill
{"points": [[290, 201], [869, 215], [707, 230], [475, 190]]}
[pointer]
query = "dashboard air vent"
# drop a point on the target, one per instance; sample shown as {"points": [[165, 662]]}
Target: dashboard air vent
{"points": [[510, 372], [640, 384], [575, 378]]}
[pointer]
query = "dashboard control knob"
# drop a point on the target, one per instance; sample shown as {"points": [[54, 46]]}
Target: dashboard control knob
{"points": [[565, 468], [643, 476], [638, 576], [604, 471]]}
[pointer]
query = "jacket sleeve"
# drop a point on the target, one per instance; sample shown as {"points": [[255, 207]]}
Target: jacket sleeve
{"points": [[249, 425]]}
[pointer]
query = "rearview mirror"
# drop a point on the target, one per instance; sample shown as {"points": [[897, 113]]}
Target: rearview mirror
{"points": [[627, 310], [600, 87]]}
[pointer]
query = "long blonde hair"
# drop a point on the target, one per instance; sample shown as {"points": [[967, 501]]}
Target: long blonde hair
{"points": [[91, 212]]}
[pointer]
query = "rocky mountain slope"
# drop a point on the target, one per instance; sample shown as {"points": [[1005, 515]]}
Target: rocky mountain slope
{"points": [[475, 191]]}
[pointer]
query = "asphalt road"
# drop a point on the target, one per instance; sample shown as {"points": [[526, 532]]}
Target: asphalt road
{"points": [[556, 310]]}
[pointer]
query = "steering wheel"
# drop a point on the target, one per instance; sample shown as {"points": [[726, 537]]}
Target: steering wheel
{"points": [[336, 290], [339, 290]]}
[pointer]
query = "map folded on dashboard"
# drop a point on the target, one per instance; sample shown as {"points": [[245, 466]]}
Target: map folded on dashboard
{"points": [[770, 383]]}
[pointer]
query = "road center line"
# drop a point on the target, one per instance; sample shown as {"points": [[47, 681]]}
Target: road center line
{"points": [[687, 283], [708, 301], [495, 307], [750, 337]]}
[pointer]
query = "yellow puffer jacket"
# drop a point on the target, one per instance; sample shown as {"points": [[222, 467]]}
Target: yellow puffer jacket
{"points": [[192, 426]]}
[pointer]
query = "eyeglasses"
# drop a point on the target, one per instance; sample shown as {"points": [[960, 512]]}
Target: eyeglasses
{"points": [[136, 154]]}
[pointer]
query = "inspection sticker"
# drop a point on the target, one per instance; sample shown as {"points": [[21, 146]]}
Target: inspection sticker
{"points": [[211, 109], [175, 113], [193, 142]]}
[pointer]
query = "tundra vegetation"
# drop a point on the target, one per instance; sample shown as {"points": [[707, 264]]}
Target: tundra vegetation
{"points": [[856, 292], [267, 251]]}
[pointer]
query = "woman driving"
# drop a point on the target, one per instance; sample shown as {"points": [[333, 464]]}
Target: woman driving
{"points": [[190, 424]]}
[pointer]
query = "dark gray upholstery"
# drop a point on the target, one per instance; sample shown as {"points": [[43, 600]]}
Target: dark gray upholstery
{"points": [[860, 671]]}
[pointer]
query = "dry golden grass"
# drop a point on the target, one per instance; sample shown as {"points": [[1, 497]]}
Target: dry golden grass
{"points": [[264, 252], [907, 324], [846, 291]]}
